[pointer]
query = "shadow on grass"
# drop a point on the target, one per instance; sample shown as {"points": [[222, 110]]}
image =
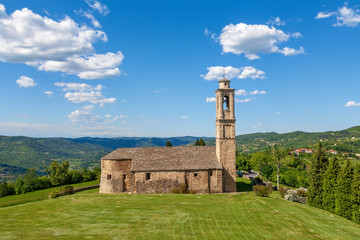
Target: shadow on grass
{"points": [[243, 185]]}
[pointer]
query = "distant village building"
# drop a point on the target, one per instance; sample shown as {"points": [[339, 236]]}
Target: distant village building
{"points": [[202, 169], [303, 150]]}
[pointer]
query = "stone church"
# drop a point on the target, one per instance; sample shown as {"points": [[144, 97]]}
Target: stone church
{"points": [[202, 169]]}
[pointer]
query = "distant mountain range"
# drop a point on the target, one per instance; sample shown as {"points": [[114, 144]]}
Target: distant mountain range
{"points": [[19, 153], [347, 140]]}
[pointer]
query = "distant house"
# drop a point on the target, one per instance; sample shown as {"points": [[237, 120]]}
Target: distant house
{"points": [[303, 150], [333, 152]]}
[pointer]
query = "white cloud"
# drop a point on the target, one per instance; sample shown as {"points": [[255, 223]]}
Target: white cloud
{"points": [[29, 37], [94, 97], [352, 104], [86, 117], [97, 66], [278, 113], [25, 82], [257, 92], [94, 21], [321, 15], [98, 6], [344, 16], [244, 100], [211, 35], [184, 117], [50, 45], [241, 92], [252, 40], [82, 92], [217, 73], [296, 35], [275, 21], [49, 93], [291, 51], [251, 72], [81, 87], [210, 99]]}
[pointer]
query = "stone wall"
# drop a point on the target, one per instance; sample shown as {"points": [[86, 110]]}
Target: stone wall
{"points": [[202, 181], [227, 155], [115, 176]]}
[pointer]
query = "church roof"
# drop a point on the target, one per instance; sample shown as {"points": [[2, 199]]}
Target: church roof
{"points": [[168, 158]]}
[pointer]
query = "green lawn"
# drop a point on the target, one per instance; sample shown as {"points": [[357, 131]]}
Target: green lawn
{"points": [[90, 215], [37, 195]]}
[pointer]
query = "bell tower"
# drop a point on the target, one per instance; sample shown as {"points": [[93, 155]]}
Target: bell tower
{"points": [[225, 133]]}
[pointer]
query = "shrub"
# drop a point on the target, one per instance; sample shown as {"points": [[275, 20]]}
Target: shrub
{"points": [[262, 190], [256, 181], [68, 190], [283, 191], [291, 195], [183, 188], [301, 192], [54, 194], [175, 190], [191, 191]]}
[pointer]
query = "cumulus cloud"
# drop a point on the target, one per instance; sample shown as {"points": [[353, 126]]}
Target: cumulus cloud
{"points": [[210, 99], [81, 92], [251, 40], [29, 37], [352, 104], [296, 35], [344, 16], [244, 100], [86, 117], [94, 21], [184, 117], [251, 72], [97, 66], [242, 92], [50, 45], [49, 93], [257, 92], [275, 21], [217, 73], [211, 35], [82, 87], [98, 6], [25, 82]]}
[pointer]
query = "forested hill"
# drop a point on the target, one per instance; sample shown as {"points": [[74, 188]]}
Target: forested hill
{"points": [[347, 140], [19, 153]]}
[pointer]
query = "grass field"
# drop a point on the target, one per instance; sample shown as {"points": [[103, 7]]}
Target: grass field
{"points": [[37, 195], [90, 215]]}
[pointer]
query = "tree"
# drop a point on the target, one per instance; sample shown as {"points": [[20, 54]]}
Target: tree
{"points": [[343, 195], [243, 163], [58, 173], [318, 167], [258, 159], [197, 142], [30, 181], [329, 185], [201, 142], [168, 144], [356, 195], [278, 154]]}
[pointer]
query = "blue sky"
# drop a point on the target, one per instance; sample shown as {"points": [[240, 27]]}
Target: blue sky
{"points": [[150, 68]]}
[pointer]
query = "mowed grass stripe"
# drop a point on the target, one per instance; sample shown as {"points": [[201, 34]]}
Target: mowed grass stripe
{"points": [[89, 215]]}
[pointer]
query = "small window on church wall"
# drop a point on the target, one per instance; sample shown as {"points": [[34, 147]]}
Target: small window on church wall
{"points": [[109, 177], [124, 176], [226, 103], [195, 174], [148, 176]]}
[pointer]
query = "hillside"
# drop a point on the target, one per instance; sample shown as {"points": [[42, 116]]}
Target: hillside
{"points": [[347, 140], [90, 215], [19, 153]]}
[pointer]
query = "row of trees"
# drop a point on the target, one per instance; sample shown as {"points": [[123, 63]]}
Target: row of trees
{"points": [[334, 188], [58, 175]]}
